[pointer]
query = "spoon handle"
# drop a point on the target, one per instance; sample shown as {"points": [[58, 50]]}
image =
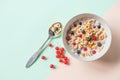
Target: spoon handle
{"points": [[34, 57]]}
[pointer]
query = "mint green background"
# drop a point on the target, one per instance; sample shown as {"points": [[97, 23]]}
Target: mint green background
{"points": [[23, 28]]}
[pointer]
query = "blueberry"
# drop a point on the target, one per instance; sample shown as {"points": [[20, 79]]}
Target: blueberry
{"points": [[51, 33], [83, 31], [72, 32], [80, 23], [99, 26], [89, 38], [99, 44], [78, 51], [56, 28]]}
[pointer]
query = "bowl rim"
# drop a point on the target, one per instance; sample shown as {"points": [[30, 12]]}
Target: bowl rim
{"points": [[78, 57]]}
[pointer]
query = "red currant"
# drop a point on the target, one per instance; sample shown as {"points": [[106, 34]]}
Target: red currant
{"points": [[62, 56], [43, 57], [66, 62], [80, 35], [50, 45], [68, 38], [65, 58], [56, 48], [57, 56], [62, 49], [85, 48], [52, 66], [61, 60], [94, 26], [94, 52], [74, 43], [57, 52], [75, 25], [94, 38]]}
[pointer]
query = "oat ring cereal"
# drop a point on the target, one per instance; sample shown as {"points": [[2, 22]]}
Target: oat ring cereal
{"points": [[86, 37]]}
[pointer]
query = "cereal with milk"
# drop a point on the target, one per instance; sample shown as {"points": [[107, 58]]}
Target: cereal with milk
{"points": [[86, 37]]}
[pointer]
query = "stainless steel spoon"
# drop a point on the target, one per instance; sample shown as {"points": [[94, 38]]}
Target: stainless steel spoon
{"points": [[54, 31]]}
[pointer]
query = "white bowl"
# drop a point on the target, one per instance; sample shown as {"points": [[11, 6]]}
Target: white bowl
{"points": [[107, 42]]}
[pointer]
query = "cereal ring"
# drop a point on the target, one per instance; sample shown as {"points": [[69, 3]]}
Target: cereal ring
{"points": [[100, 32], [83, 54], [94, 46], [87, 35], [52, 29], [85, 42], [74, 38], [92, 21], [101, 37], [78, 40], [100, 48], [87, 26], [102, 29], [89, 54], [74, 47], [105, 35], [80, 47]]}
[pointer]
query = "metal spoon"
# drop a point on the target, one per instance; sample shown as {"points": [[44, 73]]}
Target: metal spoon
{"points": [[54, 31]]}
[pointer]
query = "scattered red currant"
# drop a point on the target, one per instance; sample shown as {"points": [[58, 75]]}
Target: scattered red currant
{"points": [[52, 66], [61, 60], [43, 57], [50, 45], [57, 48]]}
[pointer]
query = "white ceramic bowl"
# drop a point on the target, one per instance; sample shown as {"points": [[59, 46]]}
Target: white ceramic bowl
{"points": [[107, 42]]}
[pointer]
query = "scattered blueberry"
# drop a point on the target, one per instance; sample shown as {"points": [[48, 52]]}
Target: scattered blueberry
{"points": [[56, 28], [78, 51], [51, 33], [72, 32], [99, 44], [89, 38], [99, 26], [80, 23], [83, 31]]}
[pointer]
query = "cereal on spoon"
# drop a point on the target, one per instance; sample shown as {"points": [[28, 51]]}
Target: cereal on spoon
{"points": [[56, 28]]}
